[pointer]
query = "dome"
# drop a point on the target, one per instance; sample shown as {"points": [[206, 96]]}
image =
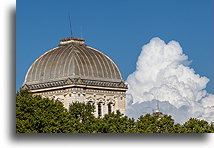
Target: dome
{"points": [[72, 59]]}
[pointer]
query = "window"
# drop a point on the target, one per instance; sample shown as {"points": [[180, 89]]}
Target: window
{"points": [[99, 110], [109, 108], [90, 101]]}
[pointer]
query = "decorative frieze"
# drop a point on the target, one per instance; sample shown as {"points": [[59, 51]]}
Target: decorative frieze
{"points": [[75, 81]]}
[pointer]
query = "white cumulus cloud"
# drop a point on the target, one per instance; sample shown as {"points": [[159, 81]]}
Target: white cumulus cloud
{"points": [[163, 75]]}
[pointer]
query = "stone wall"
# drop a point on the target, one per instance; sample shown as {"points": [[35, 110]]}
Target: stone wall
{"points": [[116, 98]]}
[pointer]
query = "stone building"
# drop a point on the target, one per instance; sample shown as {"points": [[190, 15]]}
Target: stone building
{"points": [[157, 112], [72, 72]]}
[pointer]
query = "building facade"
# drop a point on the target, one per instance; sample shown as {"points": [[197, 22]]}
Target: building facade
{"points": [[75, 72]]}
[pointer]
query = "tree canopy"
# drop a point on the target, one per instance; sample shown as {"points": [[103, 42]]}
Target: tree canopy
{"points": [[35, 114]]}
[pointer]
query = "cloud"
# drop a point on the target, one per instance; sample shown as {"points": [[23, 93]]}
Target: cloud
{"points": [[163, 75]]}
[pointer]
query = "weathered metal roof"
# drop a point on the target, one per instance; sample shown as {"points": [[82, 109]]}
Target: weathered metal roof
{"points": [[72, 59]]}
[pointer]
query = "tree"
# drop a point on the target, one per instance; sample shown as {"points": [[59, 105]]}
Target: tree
{"points": [[196, 126], [35, 114], [212, 126], [81, 111], [84, 114], [154, 124], [177, 128], [115, 123]]}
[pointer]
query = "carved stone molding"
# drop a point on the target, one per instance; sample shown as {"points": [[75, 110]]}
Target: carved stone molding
{"points": [[75, 81]]}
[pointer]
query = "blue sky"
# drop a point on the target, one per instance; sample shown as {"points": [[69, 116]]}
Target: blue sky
{"points": [[117, 28]]}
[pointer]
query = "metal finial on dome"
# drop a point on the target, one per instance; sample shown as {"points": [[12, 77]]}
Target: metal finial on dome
{"points": [[72, 40]]}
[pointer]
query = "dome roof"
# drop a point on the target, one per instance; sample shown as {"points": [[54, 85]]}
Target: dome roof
{"points": [[72, 59]]}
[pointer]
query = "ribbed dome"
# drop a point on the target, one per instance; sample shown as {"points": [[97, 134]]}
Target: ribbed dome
{"points": [[72, 59]]}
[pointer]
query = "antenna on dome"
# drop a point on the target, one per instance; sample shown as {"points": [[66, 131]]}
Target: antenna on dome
{"points": [[70, 25], [81, 32]]}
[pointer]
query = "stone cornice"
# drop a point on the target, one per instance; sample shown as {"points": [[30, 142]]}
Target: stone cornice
{"points": [[75, 82]]}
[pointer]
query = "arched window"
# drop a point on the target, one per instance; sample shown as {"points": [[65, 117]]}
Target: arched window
{"points": [[99, 110], [109, 108], [90, 101]]}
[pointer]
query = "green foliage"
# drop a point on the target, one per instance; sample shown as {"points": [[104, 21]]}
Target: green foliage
{"points": [[83, 113], [41, 115], [116, 123], [212, 127], [196, 126], [177, 128], [35, 114], [155, 124]]}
